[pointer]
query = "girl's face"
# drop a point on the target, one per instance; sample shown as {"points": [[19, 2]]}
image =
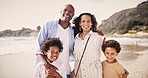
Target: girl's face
{"points": [[85, 23], [110, 54], [52, 53]]}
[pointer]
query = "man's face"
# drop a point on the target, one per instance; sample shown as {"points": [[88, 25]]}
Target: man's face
{"points": [[67, 13]]}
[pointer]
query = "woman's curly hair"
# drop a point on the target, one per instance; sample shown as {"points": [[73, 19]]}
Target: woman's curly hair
{"points": [[49, 42], [111, 43]]}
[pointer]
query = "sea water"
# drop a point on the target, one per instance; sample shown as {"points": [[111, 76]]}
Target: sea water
{"points": [[10, 45]]}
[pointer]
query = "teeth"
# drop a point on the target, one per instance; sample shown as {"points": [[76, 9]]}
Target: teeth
{"points": [[66, 16], [54, 57], [86, 26]]}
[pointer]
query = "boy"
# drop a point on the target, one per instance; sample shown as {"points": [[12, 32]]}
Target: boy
{"points": [[111, 67], [51, 48]]}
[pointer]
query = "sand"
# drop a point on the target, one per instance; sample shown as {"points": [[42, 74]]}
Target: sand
{"points": [[21, 65], [18, 65], [134, 59]]}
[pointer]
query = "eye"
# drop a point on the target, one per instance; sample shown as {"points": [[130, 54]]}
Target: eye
{"points": [[106, 53], [112, 53], [88, 21]]}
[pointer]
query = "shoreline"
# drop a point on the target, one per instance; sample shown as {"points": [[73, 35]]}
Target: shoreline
{"points": [[127, 35]]}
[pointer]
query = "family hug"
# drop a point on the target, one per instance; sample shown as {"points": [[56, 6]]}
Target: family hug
{"points": [[59, 39]]}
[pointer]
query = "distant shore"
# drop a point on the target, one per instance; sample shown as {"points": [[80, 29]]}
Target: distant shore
{"points": [[137, 35]]}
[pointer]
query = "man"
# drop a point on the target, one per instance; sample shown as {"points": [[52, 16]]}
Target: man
{"points": [[61, 29]]}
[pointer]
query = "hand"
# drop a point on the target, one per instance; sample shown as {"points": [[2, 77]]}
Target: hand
{"points": [[126, 72], [51, 73], [100, 33], [50, 66], [124, 75]]}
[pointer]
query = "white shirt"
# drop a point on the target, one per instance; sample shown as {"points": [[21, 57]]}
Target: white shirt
{"points": [[91, 64], [39, 71], [63, 34]]}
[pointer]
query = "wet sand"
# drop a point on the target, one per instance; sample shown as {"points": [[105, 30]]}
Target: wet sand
{"points": [[134, 59]]}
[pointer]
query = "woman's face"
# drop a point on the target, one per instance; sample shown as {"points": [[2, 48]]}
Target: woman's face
{"points": [[52, 53], [85, 23]]}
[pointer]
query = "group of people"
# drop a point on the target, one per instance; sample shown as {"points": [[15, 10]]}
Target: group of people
{"points": [[57, 40]]}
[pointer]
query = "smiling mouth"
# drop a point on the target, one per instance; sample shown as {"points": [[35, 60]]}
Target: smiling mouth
{"points": [[54, 57], [86, 27]]}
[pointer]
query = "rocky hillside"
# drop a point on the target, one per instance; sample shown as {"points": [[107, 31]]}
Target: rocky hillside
{"points": [[128, 19], [24, 32]]}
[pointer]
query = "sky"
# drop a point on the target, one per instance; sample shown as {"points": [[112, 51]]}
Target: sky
{"points": [[15, 14]]}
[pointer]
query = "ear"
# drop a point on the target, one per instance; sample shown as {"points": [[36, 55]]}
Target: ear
{"points": [[91, 24], [45, 53], [116, 54], [61, 11], [79, 24]]}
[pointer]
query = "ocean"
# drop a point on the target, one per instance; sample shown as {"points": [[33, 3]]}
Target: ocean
{"points": [[11, 45]]}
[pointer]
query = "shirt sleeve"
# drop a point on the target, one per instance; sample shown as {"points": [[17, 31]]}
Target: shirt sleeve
{"points": [[120, 70], [37, 70], [41, 37]]}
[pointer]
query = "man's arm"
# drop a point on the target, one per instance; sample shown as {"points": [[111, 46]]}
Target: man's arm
{"points": [[46, 63]]}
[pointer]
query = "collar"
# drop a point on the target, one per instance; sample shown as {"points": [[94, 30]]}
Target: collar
{"points": [[86, 37]]}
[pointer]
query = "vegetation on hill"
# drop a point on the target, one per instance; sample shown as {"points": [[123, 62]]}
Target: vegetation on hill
{"points": [[135, 19]]}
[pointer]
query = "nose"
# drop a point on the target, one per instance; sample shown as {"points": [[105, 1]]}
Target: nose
{"points": [[66, 12], [85, 23], [109, 56]]}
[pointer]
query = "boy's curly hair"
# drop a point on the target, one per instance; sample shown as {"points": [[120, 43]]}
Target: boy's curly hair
{"points": [[111, 43]]}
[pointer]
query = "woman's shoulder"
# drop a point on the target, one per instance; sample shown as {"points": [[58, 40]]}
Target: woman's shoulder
{"points": [[96, 35]]}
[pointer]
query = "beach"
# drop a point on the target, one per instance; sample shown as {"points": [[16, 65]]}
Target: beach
{"points": [[135, 60], [21, 65]]}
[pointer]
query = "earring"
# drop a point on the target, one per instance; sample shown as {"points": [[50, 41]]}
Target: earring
{"points": [[80, 29]]}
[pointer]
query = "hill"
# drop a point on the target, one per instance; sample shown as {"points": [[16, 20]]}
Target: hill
{"points": [[128, 19]]}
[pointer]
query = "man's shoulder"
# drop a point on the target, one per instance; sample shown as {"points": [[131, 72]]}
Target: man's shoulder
{"points": [[51, 24], [52, 21]]}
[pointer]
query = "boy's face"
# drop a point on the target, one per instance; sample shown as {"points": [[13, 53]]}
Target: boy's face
{"points": [[110, 54], [52, 53]]}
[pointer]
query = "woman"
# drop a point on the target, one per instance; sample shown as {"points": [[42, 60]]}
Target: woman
{"points": [[85, 27]]}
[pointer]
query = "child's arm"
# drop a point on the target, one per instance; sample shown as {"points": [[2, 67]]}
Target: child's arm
{"points": [[46, 63]]}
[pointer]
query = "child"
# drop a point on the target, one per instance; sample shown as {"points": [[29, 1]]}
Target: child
{"points": [[111, 67], [51, 49]]}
